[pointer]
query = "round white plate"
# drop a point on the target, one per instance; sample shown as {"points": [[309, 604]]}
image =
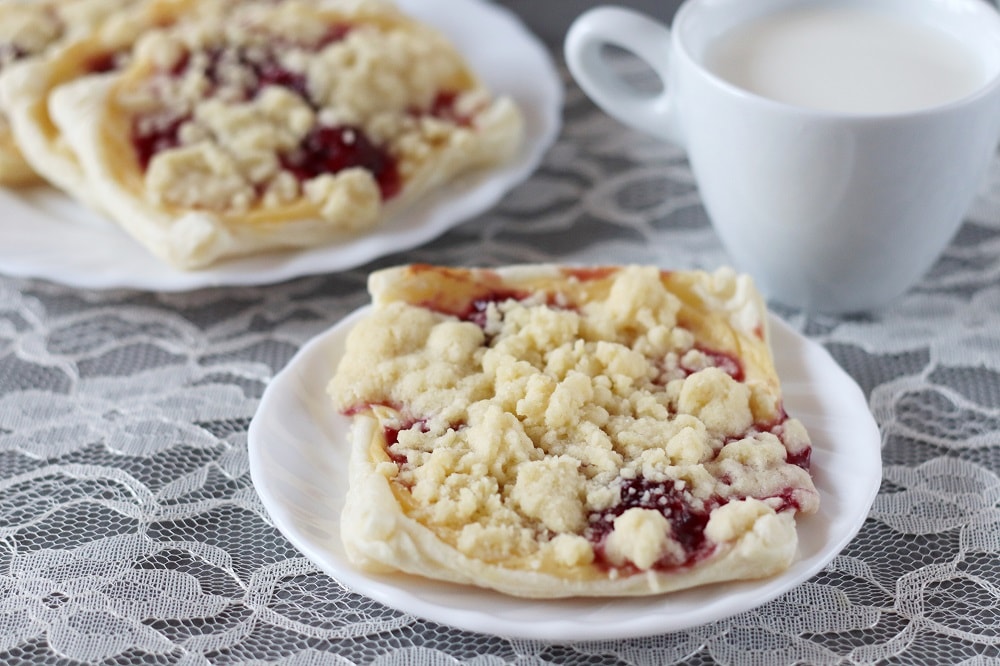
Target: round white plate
{"points": [[44, 234], [298, 461]]}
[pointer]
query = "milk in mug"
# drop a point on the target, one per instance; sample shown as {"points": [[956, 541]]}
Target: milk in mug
{"points": [[846, 59], [841, 194]]}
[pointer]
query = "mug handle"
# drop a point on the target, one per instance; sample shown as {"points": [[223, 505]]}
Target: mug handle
{"points": [[648, 40]]}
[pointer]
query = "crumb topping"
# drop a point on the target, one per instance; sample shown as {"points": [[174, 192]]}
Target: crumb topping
{"points": [[569, 433]]}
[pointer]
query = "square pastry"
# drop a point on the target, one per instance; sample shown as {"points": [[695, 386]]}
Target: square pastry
{"points": [[259, 125], [548, 431], [29, 31]]}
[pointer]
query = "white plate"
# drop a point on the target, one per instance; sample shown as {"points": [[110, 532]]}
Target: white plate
{"points": [[44, 234], [298, 461]]}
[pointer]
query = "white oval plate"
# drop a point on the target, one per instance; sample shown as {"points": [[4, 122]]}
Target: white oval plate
{"points": [[299, 449], [44, 234]]}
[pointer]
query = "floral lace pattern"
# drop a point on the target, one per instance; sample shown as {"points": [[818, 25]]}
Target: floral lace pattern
{"points": [[130, 530]]}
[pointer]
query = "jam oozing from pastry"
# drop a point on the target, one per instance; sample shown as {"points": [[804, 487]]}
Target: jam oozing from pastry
{"points": [[333, 149], [801, 459], [100, 63], [725, 362], [443, 107], [687, 524], [154, 134], [392, 433]]}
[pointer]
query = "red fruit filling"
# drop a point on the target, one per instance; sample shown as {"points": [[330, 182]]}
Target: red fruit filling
{"points": [[154, 134], [333, 149], [392, 436], [725, 362], [476, 310], [687, 524], [802, 459], [443, 107], [231, 66], [99, 63]]}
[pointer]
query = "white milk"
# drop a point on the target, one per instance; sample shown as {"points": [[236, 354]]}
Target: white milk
{"points": [[846, 59]]}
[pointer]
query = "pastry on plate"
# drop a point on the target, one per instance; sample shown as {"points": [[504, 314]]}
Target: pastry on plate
{"points": [[275, 125], [97, 46], [550, 432]]}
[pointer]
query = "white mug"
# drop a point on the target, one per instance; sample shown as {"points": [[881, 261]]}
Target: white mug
{"points": [[830, 210]]}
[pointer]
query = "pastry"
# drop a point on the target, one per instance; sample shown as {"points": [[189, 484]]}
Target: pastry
{"points": [[276, 125], [550, 432]]}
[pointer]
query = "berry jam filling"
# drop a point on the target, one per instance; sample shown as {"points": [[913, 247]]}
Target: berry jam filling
{"points": [[333, 149], [687, 524], [802, 459], [788, 501], [270, 73], [101, 63], [153, 134], [392, 437], [443, 107], [474, 309], [725, 362]]}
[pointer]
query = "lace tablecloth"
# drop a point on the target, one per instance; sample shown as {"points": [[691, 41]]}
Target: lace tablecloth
{"points": [[130, 530]]}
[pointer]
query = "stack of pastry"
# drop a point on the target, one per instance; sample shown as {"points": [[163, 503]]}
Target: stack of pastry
{"points": [[216, 128]]}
